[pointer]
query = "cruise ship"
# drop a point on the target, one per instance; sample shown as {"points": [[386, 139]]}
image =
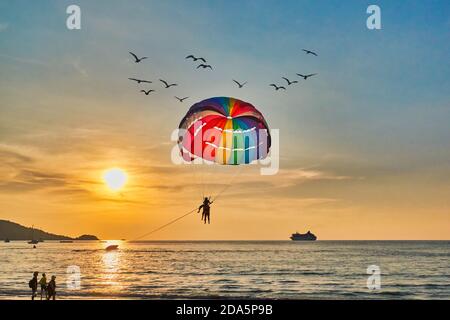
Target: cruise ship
{"points": [[303, 237]]}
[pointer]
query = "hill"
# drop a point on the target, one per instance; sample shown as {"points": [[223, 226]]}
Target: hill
{"points": [[14, 231]]}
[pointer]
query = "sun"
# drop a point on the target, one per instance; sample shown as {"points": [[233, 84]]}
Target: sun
{"points": [[115, 178]]}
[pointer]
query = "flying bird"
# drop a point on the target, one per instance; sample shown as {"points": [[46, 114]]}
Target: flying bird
{"points": [[306, 76], [195, 58], [277, 87], [240, 85], [204, 66], [167, 84], [147, 92], [136, 59], [290, 82], [139, 80], [181, 99], [310, 52]]}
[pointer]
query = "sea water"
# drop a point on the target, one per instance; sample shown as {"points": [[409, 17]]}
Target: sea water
{"points": [[230, 269]]}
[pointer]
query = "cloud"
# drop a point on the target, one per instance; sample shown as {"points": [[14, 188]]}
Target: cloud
{"points": [[11, 160], [70, 191], [9, 156], [291, 177], [16, 187], [279, 204], [27, 180]]}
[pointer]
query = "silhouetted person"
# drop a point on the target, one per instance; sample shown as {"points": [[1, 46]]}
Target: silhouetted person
{"points": [[43, 283], [33, 284], [51, 289], [206, 207]]}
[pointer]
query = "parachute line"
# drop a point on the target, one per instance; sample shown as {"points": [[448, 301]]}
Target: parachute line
{"points": [[236, 174], [165, 225]]}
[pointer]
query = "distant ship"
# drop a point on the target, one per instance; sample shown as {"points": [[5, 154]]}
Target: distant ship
{"points": [[303, 237]]}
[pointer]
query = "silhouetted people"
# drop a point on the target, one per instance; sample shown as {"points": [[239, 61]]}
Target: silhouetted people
{"points": [[33, 284], [43, 283], [51, 289], [206, 209]]}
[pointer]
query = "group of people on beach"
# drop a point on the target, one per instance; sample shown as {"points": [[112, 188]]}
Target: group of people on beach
{"points": [[48, 290]]}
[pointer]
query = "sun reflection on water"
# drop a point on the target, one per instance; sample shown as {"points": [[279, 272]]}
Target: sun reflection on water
{"points": [[111, 267]]}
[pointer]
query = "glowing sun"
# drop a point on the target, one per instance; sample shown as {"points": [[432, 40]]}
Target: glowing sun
{"points": [[115, 178]]}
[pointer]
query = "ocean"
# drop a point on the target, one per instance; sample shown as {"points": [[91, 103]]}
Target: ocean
{"points": [[231, 269]]}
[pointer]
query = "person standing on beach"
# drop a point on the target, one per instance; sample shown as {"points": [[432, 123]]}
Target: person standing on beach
{"points": [[43, 283], [33, 284], [51, 289]]}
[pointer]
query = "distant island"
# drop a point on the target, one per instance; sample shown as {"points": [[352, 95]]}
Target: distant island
{"points": [[14, 231], [87, 237]]}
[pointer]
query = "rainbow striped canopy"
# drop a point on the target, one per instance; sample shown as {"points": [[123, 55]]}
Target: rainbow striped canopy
{"points": [[225, 131]]}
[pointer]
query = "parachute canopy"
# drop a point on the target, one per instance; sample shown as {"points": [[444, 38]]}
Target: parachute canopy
{"points": [[224, 130]]}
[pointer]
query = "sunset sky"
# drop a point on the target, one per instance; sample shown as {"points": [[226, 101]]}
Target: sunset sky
{"points": [[364, 145]]}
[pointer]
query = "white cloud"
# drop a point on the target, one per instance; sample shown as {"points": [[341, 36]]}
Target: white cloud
{"points": [[291, 177]]}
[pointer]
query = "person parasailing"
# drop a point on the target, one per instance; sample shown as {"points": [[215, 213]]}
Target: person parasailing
{"points": [[206, 209]]}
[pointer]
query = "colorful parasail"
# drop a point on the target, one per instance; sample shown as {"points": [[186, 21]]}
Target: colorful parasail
{"points": [[224, 130]]}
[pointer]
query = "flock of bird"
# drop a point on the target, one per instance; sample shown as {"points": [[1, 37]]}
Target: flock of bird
{"points": [[204, 65], [289, 82]]}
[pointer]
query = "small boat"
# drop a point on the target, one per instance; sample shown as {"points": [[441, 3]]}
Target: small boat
{"points": [[7, 240], [33, 240], [303, 237], [65, 241], [112, 247]]}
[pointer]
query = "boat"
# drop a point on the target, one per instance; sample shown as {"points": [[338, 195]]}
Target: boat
{"points": [[33, 240], [65, 241], [112, 247], [7, 240], [303, 237]]}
